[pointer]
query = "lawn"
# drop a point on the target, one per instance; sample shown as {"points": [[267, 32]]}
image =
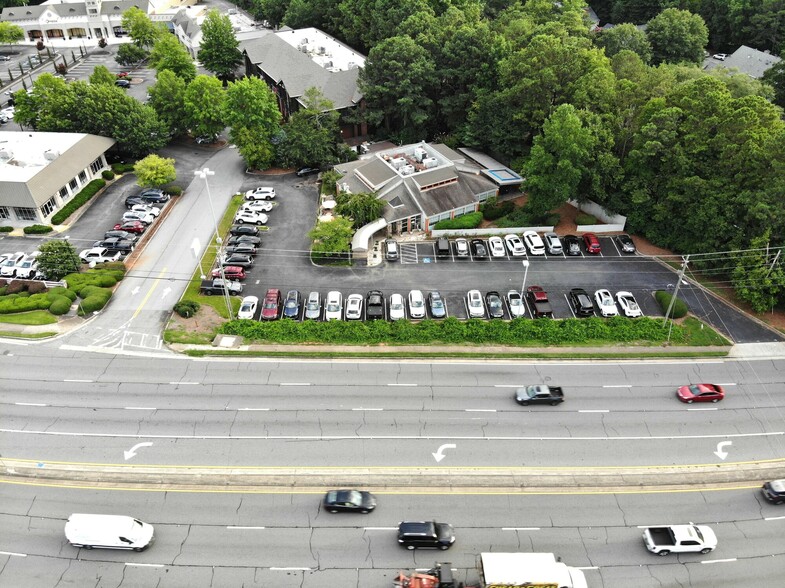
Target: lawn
{"points": [[34, 317]]}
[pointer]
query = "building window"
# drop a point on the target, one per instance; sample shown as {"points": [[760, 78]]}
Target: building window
{"points": [[4, 212], [83, 177], [25, 214], [48, 207], [63, 193], [96, 166], [73, 184]]}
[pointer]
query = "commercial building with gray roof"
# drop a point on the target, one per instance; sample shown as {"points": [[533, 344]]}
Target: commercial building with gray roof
{"points": [[746, 60]]}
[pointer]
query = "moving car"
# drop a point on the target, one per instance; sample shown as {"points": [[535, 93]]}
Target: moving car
{"points": [[271, 307], [428, 535], [313, 306], [534, 243], [553, 243], [494, 303], [374, 305], [605, 303], [354, 307], [571, 245], [516, 304], [479, 251], [108, 532], [238, 259], [626, 244], [474, 304], [581, 302], [539, 394], [391, 249], [292, 303], [306, 171], [592, 243], [436, 305], [333, 306], [250, 217], [416, 304], [629, 306], [349, 501], [397, 309], [248, 307], [774, 491], [232, 272], [700, 393], [260, 193], [461, 247], [241, 231], [496, 245], [257, 206], [514, 245]]}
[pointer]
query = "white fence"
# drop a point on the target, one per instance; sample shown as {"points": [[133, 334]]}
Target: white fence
{"points": [[436, 233], [614, 223]]}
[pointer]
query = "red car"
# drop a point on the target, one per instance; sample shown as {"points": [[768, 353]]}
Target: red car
{"points": [[271, 307], [232, 272], [131, 227], [122, 74], [701, 393], [592, 243]]}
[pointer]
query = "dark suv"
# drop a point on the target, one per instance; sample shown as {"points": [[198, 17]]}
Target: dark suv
{"points": [[581, 303], [425, 535], [374, 305]]}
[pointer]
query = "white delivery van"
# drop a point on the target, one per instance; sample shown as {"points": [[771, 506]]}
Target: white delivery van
{"points": [[108, 532]]}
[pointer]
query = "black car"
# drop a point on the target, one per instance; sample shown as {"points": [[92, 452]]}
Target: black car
{"points": [[244, 248], [425, 535], [239, 230], [581, 302], [238, 259], [479, 250], [116, 244], [436, 305], [307, 171], [374, 305], [349, 501], [153, 196], [494, 303], [291, 306], [250, 239], [124, 235], [626, 243], [122, 84], [571, 244], [132, 201], [774, 491]]}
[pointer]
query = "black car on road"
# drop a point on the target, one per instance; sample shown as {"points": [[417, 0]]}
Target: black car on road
{"points": [[425, 535], [349, 501]]}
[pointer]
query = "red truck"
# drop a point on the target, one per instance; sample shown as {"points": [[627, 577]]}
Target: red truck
{"points": [[538, 301]]}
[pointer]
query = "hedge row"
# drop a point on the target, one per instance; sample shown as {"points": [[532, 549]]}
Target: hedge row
{"points": [[78, 201], [93, 298], [664, 298], [6, 229], [453, 331], [100, 276], [37, 230], [23, 302], [493, 209], [467, 221], [122, 168]]}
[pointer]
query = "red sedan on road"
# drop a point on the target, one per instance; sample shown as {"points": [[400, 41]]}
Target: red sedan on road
{"points": [[701, 393]]}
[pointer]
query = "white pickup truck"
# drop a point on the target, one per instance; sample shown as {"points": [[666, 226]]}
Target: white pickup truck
{"points": [[98, 255], [679, 539]]}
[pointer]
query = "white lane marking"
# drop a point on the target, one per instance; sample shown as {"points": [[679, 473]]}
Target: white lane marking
{"points": [[12, 553], [619, 386], [773, 518], [85, 381], [253, 409], [238, 528], [520, 528], [598, 410], [588, 568], [183, 383], [408, 385], [479, 410], [388, 437], [727, 384], [30, 404], [290, 569], [362, 408], [506, 386], [380, 528], [139, 408], [708, 408], [143, 565], [710, 561], [294, 384]]}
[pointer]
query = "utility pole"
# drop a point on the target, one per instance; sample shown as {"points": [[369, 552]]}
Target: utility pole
{"points": [[675, 294]]}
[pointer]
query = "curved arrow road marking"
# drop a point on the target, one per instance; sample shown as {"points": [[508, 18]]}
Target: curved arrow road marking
{"points": [[439, 455], [132, 452], [720, 452]]}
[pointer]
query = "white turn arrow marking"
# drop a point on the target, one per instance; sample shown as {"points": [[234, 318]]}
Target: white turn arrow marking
{"points": [[439, 455], [135, 291], [165, 292], [196, 247], [132, 452], [720, 453]]}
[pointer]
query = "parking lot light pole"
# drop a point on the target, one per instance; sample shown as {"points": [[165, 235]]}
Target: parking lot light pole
{"points": [[525, 273], [204, 174]]}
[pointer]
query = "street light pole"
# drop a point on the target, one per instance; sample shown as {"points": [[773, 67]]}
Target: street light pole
{"points": [[525, 273]]}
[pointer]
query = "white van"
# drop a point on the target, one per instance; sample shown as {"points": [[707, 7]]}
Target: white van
{"points": [[108, 532]]}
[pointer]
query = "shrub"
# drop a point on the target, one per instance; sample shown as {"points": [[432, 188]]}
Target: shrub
{"points": [[467, 221], [23, 303], [173, 189], [92, 304], [15, 287], [90, 291], [187, 308], [37, 230], [680, 308], [60, 305], [583, 218], [122, 168], [103, 277], [36, 287], [492, 209], [60, 291], [78, 201], [108, 175], [6, 229]]}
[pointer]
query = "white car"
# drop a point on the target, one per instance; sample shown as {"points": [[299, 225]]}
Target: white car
{"points": [[261, 193], [354, 307], [27, 268], [397, 309], [250, 217], [628, 304], [515, 245], [248, 307], [136, 215], [144, 208], [257, 206], [461, 248], [496, 247], [416, 304], [720, 56], [474, 304], [553, 243], [516, 304], [534, 243], [605, 303], [333, 306], [8, 267]]}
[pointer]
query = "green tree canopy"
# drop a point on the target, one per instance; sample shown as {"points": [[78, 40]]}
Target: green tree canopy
{"points": [[130, 54], [11, 33], [154, 171], [251, 112], [167, 98], [143, 31], [204, 106], [361, 208], [169, 54], [102, 75], [218, 52], [677, 36], [625, 36], [312, 133], [58, 258], [775, 77], [331, 237], [759, 275]]}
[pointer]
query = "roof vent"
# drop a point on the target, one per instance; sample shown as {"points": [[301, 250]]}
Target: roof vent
{"points": [[51, 155], [6, 153]]}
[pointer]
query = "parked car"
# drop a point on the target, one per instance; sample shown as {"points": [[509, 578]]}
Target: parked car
{"points": [[241, 230], [131, 227], [142, 217], [553, 243], [271, 306], [474, 304], [581, 302], [244, 248], [250, 217], [261, 193], [626, 244], [496, 245], [374, 305], [238, 259], [628, 304], [306, 171], [154, 196], [592, 243], [146, 208], [132, 201], [493, 301], [442, 248], [248, 307], [514, 245], [461, 247], [391, 250], [429, 535], [313, 307], [479, 251], [27, 268], [125, 84], [292, 303], [436, 305], [516, 304], [416, 304], [605, 303], [257, 206], [534, 243], [349, 501], [123, 235], [700, 393], [571, 245], [354, 307], [774, 491], [720, 56], [232, 272], [333, 306], [397, 308], [250, 239], [116, 244]]}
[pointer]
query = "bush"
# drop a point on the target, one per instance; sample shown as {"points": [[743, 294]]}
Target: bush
{"points": [[467, 221], [37, 230], [78, 201], [103, 277], [15, 287], [108, 175], [92, 304], [36, 287], [583, 218], [173, 189], [122, 168], [680, 308], [89, 291], [187, 308], [23, 303], [493, 209], [60, 305], [6, 229], [60, 291]]}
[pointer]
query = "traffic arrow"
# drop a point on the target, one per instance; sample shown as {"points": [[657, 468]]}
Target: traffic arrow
{"points": [[135, 291], [196, 247], [439, 455], [132, 452], [165, 292], [720, 453]]}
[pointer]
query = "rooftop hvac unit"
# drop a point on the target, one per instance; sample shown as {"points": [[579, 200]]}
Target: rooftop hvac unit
{"points": [[333, 69], [352, 65], [420, 154], [51, 155], [398, 162], [430, 162], [322, 50], [345, 188], [407, 170], [6, 153]]}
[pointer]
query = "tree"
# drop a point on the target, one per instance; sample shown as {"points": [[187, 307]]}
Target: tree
{"points": [[332, 237], [154, 171], [11, 33], [129, 54], [775, 77], [759, 276], [625, 36], [143, 31], [167, 98], [168, 53], [676, 36], [204, 106], [218, 51], [58, 258], [367, 23], [361, 208], [312, 133], [102, 75], [257, 153], [251, 112]]}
